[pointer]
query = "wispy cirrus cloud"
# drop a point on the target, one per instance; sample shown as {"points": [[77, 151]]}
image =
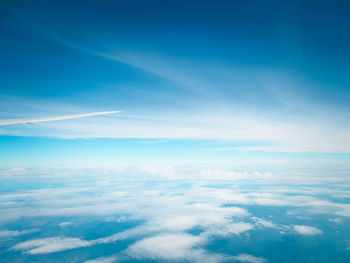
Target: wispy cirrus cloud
{"points": [[206, 113], [272, 135], [52, 118]]}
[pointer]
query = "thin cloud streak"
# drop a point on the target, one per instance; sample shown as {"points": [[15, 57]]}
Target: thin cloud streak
{"points": [[53, 118]]}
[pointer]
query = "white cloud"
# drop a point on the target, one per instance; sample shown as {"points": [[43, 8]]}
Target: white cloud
{"points": [[50, 245], [103, 260], [336, 220], [178, 247], [172, 247], [230, 229], [264, 223], [248, 258], [15, 233], [63, 224], [167, 210], [233, 175], [180, 222], [52, 118], [307, 230], [239, 228], [272, 134], [213, 116]]}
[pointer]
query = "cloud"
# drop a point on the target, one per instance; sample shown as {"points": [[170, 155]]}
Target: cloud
{"points": [[204, 124], [16, 233], [171, 247], [50, 245], [303, 203], [56, 244], [264, 223], [248, 258], [234, 228], [234, 175], [63, 224], [307, 230], [336, 220], [174, 247], [103, 260], [298, 125], [53, 118], [165, 210]]}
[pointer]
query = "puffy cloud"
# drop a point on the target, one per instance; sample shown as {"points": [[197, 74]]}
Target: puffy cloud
{"points": [[173, 247], [307, 230], [168, 211], [180, 247], [264, 223], [235, 228]]}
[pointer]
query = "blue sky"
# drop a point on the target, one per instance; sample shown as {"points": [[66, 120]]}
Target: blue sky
{"points": [[233, 144], [248, 78]]}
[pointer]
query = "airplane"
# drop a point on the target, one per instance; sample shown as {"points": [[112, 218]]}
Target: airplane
{"points": [[53, 118]]}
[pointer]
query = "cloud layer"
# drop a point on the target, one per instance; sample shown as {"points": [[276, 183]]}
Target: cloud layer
{"points": [[176, 219]]}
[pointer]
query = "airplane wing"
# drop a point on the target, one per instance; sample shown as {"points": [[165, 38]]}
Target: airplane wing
{"points": [[53, 118]]}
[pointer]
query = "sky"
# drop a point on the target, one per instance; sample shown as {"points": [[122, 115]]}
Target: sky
{"points": [[232, 144], [239, 76]]}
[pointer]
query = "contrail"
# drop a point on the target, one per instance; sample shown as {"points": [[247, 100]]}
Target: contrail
{"points": [[53, 118]]}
